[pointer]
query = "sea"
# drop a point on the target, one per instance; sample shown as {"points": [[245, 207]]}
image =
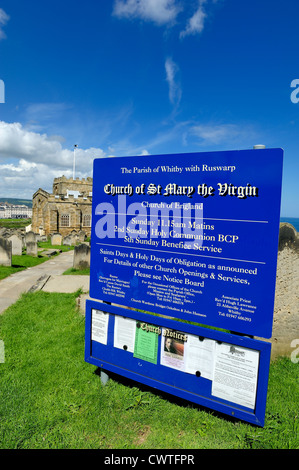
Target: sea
{"points": [[291, 220]]}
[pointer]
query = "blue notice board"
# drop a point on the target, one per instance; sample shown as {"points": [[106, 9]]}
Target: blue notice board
{"points": [[192, 236]]}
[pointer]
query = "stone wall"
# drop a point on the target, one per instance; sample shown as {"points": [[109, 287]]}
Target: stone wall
{"points": [[62, 185]]}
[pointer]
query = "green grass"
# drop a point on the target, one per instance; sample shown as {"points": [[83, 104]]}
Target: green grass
{"points": [[51, 398], [74, 271], [14, 223], [21, 262], [47, 246]]}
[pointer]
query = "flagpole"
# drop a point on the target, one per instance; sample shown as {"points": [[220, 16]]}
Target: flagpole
{"points": [[74, 162]]}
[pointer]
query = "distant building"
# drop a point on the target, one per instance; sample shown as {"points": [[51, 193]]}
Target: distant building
{"points": [[67, 209], [15, 211]]}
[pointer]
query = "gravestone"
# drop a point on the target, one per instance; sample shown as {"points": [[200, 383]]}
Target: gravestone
{"points": [[71, 239], [81, 257], [31, 248], [56, 239], [67, 240], [30, 237], [16, 244], [81, 236], [5, 252], [74, 237]]}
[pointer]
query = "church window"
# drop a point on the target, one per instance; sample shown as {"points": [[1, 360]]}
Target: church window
{"points": [[65, 220], [86, 220]]}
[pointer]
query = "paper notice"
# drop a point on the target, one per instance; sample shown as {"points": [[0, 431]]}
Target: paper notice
{"points": [[99, 326], [199, 356], [172, 349], [146, 345], [235, 374], [124, 333]]}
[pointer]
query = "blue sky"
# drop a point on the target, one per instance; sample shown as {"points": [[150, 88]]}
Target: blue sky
{"points": [[134, 77]]}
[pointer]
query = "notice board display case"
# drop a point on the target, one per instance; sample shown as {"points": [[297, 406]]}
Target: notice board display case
{"points": [[214, 369]]}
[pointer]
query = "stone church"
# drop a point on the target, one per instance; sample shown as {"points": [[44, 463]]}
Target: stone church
{"points": [[66, 210]]}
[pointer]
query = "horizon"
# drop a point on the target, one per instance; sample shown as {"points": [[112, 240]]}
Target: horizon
{"points": [[128, 77]]}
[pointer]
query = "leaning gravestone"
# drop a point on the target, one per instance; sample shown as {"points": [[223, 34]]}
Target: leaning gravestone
{"points": [[56, 239], [81, 257], [16, 243], [5, 252]]}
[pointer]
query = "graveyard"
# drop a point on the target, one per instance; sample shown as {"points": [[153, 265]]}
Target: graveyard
{"points": [[19, 250]]}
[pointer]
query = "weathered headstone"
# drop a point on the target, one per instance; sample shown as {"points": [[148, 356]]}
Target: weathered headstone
{"points": [[5, 252], [16, 243], [74, 236], [81, 236], [31, 248], [67, 240], [288, 236], [30, 237], [6, 233], [81, 257], [56, 239]]}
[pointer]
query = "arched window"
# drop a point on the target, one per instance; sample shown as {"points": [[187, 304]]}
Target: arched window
{"points": [[65, 220], [86, 220]]}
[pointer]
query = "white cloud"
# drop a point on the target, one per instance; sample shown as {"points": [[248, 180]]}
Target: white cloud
{"points": [[220, 134], [144, 152], [157, 11], [3, 20], [175, 92], [165, 12], [29, 160], [195, 24]]}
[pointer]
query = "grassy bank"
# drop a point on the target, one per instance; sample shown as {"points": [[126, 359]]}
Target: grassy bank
{"points": [[14, 223], [51, 398]]}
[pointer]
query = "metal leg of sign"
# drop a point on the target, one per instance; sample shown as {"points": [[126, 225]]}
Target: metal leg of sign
{"points": [[104, 377]]}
